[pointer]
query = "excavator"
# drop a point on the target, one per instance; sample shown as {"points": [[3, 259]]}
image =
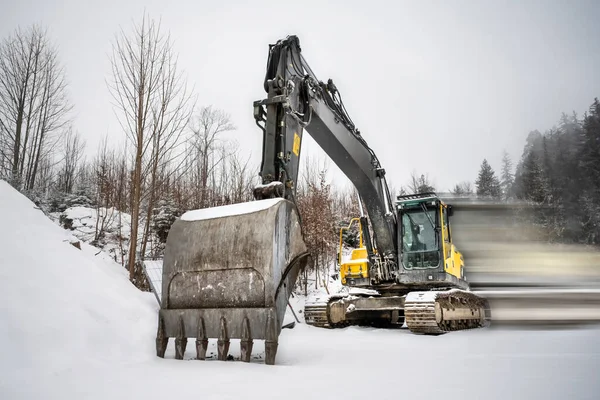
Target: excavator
{"points": [[228, 271], [429, 292]]}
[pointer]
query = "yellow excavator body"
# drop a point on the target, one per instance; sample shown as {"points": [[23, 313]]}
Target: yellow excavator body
{"points": [[453, 259]]}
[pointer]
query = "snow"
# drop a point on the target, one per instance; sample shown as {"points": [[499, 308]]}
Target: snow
{"points": [[110, 227], [230, 209], [421, 297], [361, 291], [358, 261], [86, 220], [268, 185], [73, 327]]}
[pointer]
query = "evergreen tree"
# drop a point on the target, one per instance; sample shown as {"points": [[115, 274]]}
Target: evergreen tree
{"points": [[164, 214], [589, 162], [533, 187], [507, 178], [532, 144], [350, 237], [590, 149], [81, 197], [422, 185], [487, 182]]}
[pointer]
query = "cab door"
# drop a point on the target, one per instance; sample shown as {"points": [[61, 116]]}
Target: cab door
{"points": [[450, 265]]}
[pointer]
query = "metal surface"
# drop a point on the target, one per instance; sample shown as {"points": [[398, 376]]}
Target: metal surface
{"points": [[356, 162], [230, 276], [342, 310], [440, 312], [297, 100], [316, 312], [153, 271]]}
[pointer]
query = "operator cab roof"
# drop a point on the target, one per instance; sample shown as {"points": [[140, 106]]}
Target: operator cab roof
{"points": [[411, 200]]}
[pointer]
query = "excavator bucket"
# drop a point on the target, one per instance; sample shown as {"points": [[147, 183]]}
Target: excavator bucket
{"points": [[228, 273]]}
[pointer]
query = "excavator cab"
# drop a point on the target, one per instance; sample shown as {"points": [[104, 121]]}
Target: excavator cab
{"points": [[427, 254]]}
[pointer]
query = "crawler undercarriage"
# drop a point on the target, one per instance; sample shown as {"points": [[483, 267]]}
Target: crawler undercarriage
{"points": [[424, 312]]}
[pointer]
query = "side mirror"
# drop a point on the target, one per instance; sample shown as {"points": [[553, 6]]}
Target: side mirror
{"points": [[450, 211]]}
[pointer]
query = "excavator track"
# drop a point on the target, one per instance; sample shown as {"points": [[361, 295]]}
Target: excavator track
{"points": [[437, 312], [316, 311]]}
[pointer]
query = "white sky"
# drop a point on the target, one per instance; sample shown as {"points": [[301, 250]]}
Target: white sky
{"points": [[434, 86]]}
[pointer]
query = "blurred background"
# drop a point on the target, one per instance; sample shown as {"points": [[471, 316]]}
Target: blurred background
{"points": [[527, 277]]}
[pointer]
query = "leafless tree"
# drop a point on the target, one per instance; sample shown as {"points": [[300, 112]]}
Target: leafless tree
{"points": [[242, 178], [153, 103], [315, 206], [72, 152], [33, 104], [207, 127], [463, 188]]}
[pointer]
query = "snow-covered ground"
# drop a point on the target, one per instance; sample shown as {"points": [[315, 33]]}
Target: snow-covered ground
{"points": [[73, 327], [108, 226]]}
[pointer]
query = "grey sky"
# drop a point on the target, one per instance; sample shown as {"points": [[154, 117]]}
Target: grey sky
{"points": [[433, 86]]}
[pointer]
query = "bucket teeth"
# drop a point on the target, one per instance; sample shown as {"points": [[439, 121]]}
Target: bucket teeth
{"points": [[201, 340], [180, 341], [271, 340], [246, 341], [161, 339], [223, 341]]}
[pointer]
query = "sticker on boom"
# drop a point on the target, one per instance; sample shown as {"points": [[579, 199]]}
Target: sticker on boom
{"points": [[296, 148]]}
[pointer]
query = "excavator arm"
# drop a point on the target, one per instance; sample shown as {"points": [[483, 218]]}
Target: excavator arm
{"points": [[297, 101]]}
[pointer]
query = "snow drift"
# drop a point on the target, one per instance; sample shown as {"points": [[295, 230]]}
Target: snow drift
{"points": [[73, 327], [63, 309]]}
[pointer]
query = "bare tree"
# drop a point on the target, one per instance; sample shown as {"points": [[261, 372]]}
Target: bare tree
{"points": [[315, 206], [152, 99], [463, 188], [207, 128], [171, 116], [241, 179], [72, 153], [394, 192], [33, 104]]}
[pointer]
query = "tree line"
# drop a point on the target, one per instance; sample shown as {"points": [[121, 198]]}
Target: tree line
{"points": [[558, 173], [175, 155]]}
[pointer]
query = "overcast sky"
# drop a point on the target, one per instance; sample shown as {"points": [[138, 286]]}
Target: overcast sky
{"points": [[434, 86]]}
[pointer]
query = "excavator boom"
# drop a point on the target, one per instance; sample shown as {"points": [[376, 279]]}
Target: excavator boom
{"points": [[298, 101]]}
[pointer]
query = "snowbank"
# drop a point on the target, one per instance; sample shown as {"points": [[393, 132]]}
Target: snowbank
{"points": [[64, 311], [87, 221], [73, 327], [109, 227]]}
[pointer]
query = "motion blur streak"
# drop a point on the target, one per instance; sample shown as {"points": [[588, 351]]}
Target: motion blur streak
{"points": [[528, 281]]}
